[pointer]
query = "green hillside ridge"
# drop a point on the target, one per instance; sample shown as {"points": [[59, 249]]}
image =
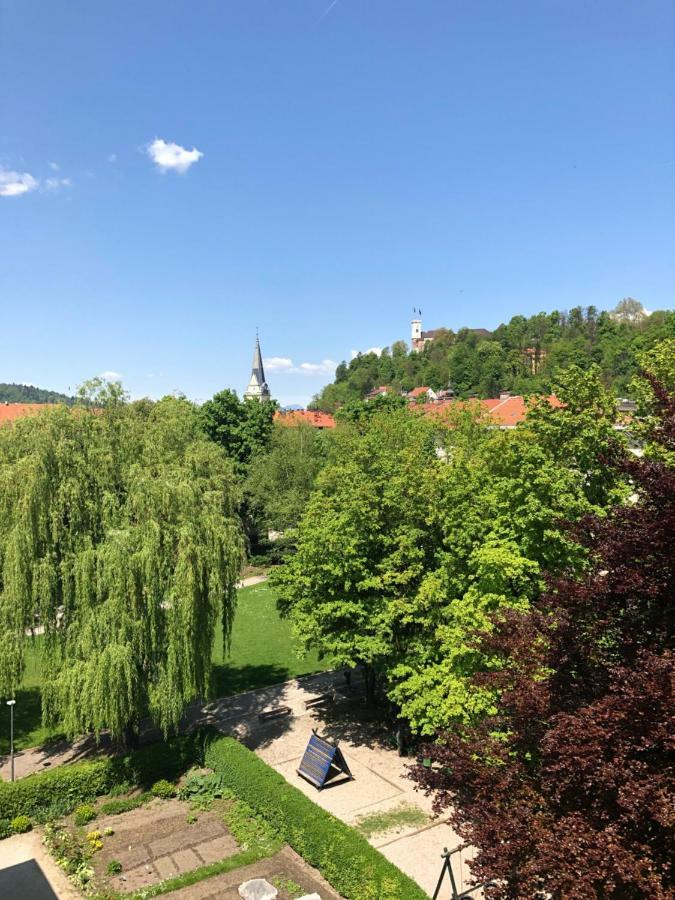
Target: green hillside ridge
{"points": [[27, 393], [474, 363]]}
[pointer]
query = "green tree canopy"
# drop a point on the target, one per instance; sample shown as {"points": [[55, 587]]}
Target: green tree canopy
{"points": [[243, 428], [419, 530], [27, 393], [119, 537], [522, 355], [279, 482]]}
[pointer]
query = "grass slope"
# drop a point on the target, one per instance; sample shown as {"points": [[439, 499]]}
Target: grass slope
{"points": [[262, 653]]}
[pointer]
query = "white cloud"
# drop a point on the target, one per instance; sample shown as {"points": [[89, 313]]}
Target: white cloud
{"points": [[376, 350], [55, 184], [109, 375], [172, 157], [54, 166], [278, 364], [325, 367], [13, 184], [112, 158], [286, 365]]}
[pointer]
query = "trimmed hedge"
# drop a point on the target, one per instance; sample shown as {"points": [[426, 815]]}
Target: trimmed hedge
{"points": [[352, 866], [77, 782]]}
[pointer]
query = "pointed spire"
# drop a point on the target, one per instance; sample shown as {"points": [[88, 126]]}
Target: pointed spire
{"points": [[257, 387]]}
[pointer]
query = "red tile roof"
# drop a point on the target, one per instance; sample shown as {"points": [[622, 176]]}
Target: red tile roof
{"points": [[506, 412], [10, 412], [308, 416], [418, 392], [376, 392]]}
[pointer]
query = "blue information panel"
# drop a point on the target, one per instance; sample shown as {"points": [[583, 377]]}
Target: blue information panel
{"points": [[322, 761]]}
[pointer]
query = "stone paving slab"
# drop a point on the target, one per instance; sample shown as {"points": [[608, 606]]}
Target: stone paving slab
{"points": [[286, 865], [175, 849], [132, 857], [186, 860], [346, 797], [25, 855], [217, 848], [411, 853], [381, 784]]}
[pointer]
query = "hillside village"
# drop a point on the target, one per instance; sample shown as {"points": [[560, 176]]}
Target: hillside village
{"points": [[306, 594]]}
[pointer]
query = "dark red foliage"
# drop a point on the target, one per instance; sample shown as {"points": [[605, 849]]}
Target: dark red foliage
{"points": [[576, 797]]}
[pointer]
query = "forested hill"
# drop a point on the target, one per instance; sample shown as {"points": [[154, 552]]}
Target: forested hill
{"points": [[520, 356], [26, 393]]}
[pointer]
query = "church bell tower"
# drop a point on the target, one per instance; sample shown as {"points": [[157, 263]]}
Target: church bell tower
{"points": [[257, 387]]}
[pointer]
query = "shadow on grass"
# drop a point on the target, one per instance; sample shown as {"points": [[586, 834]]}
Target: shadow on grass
{"points": [[28, 730], [230, 679]]}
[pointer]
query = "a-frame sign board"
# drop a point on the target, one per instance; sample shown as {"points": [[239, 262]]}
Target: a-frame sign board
{"points": [[323, 762]]}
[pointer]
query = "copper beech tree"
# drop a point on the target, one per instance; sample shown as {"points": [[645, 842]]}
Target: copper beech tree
{"points": [[567, 792]]}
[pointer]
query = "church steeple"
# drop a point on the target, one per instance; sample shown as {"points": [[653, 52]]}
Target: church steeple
{"points": [[257, 387]]}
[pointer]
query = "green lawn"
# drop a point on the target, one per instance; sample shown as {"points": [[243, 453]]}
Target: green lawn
{"points": [[262, 653]]}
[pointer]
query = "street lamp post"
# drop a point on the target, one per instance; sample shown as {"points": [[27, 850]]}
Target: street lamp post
{"points": [[11, 703]]}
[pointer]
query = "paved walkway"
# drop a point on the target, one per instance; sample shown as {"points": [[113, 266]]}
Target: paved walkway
{"points": [[252, 579], [380, 783], [228, 714], [27, 871]]}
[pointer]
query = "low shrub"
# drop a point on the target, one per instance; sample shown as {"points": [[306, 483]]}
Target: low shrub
{"points": [[95, 840], [84, 813], [119, 790], [356, 870], [163, 789], [5, 828], [124, 804], [202, 787], [71, 853], [57, 809], [21, 824], [114, 867], [249, 829], [76, 783]]}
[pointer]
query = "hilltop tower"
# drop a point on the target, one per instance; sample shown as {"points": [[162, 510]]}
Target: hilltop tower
{"points": [[416, 338], [257, 387]]}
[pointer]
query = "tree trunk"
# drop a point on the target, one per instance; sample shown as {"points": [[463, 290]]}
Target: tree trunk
{"points": [[131, 739], [401, 736]]}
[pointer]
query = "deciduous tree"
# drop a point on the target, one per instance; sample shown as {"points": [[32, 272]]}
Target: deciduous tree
{"points": [[119, 538], [280, 481], [243, 428], [567, 789], [419, 529]]}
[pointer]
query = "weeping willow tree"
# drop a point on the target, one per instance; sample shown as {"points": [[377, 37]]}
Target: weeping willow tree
{"points": [[120, 540]]}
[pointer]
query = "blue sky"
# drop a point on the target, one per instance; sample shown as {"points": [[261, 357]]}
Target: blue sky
{"points": [[358, 158]]}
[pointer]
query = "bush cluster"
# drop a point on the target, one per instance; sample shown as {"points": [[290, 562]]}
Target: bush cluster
{"points": [[354, 868], [123, 804], [68, 786], [18, 825], [84, 813], [163, 789]]}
